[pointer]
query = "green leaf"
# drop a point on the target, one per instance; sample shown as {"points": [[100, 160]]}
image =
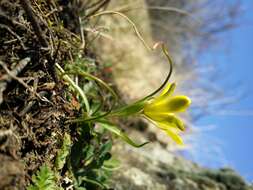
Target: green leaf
{"points": [[114, 129], [43, 180], [105, 148], [94, 182], [89, 151], [111, 165], [64, 152], [129, 109]]}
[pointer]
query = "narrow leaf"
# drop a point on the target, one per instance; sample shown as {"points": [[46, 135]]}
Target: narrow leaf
{"points": [[114, 129]]}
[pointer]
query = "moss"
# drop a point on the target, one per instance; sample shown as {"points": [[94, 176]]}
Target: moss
{"points": [[227, 177]]}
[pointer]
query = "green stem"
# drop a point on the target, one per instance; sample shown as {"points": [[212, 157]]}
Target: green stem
{"points": [[165, 51], [76, 87], [89, 76]]}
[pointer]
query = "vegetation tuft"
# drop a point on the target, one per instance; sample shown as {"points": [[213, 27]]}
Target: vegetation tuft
{"points": [[38, 40], [58, 116]]}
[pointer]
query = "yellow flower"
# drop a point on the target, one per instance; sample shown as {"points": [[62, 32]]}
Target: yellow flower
{"points": [[161, 110]]}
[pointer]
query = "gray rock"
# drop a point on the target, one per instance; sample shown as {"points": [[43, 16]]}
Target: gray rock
{"points": [[154, 167]]}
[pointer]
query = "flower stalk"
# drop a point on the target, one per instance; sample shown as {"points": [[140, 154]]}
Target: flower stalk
{"points": [[161, 110]]}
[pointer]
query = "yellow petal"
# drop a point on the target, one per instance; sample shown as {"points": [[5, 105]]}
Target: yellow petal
{"points": [[178, 103], [175, 137], [156, 116], [171, 131], [168, 90], [175, 122], [166, 119], [168, 105], [171, 125]]}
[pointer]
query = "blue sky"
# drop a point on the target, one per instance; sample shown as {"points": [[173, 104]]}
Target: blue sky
{"points": [[235, 131]]}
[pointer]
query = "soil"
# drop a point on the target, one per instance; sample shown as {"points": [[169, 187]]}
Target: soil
{"points": [[34, 36]]}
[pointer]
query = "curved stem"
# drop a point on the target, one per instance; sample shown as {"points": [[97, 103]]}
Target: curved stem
{"points": [[159, 8], [92, 77], [85, 74], [100, 105], [76, 87], [165, 51], [129, 20]]}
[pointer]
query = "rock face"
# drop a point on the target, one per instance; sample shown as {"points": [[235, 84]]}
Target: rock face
{"points": [[138, 72], [153, 167]]}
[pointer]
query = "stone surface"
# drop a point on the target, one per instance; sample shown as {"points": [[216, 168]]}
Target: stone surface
{"points": [[154, 167]]}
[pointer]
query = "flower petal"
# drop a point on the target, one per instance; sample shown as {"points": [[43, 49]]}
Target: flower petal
{"points": [[178, 103], [175, 137], [156, 116], [168, 105], [175, 122], [172, 130], [168, 90], [166, 119]]}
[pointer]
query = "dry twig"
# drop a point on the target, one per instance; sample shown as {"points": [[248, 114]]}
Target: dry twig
{"points": [[42, 39], [5, 79]]}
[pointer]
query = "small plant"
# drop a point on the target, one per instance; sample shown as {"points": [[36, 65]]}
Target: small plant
{"points": [[44, 180], [89, 155], [63, 153], [86, 158], [90, 160], [159, 110]]}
